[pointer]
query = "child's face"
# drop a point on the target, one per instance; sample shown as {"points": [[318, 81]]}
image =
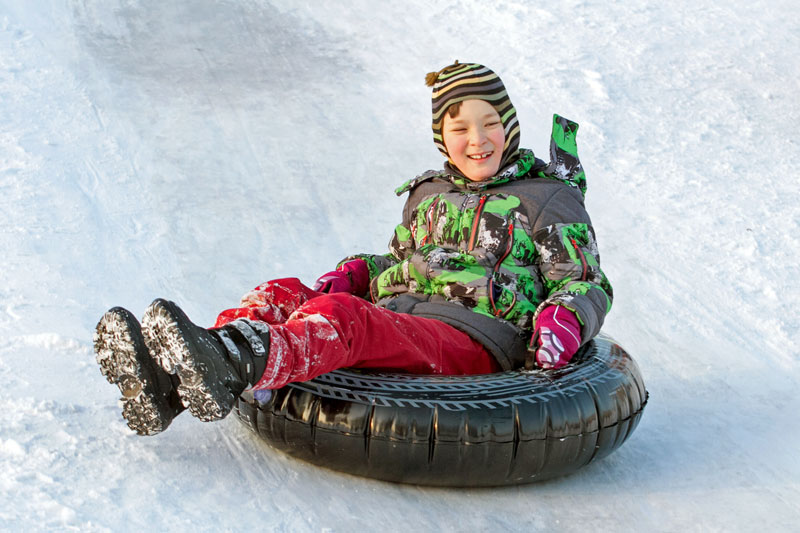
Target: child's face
{"points": [[474, 139]]}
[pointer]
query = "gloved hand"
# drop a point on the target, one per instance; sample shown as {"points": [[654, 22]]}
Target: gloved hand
{"points": [[558, 334], [352, 277]]}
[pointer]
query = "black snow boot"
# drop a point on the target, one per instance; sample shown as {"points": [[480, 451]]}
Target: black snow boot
{"points": [[149, 396], [214, 366]]}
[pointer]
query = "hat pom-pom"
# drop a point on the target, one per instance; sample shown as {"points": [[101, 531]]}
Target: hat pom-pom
{"points": [[430, 78]]}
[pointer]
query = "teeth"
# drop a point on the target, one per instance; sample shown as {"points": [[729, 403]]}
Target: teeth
{"points": [[481, 156]]}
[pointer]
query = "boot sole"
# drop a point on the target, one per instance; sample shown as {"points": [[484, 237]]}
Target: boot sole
{"points": [[166, 331], [124, 361]]}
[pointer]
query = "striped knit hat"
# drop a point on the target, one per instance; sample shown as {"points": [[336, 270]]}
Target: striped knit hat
{"points": [[466, 81]]}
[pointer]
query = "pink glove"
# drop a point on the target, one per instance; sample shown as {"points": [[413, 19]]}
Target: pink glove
{"points": [[558, 333], [352, 277]]}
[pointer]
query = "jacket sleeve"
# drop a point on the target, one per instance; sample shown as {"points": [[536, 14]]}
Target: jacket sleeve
{"points": [[569, 261], [402, 244], [375, 263]]}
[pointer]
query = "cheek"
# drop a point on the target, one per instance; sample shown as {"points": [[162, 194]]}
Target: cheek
{"points": [[454, 145], [498, 138]]}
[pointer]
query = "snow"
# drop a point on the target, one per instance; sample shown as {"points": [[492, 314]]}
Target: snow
{"points": [[193, 150]]}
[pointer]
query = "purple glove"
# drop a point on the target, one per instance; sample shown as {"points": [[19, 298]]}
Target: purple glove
{"points": [[352, 277], [558, 334]]}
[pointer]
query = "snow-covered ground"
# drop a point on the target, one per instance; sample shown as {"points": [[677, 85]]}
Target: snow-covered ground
{"points": [[194, 149]]}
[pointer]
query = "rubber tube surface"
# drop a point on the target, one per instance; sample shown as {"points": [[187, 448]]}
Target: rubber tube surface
{"points": [[469, 431]]}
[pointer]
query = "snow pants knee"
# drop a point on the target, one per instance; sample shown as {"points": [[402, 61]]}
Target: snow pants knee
{"points": [[312, 333]]}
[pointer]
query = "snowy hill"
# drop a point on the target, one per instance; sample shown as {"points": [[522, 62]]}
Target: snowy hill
{"points": [[192, 150]]}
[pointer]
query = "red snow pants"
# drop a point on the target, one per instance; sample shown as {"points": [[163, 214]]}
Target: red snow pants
{"points": [[312, 333]]}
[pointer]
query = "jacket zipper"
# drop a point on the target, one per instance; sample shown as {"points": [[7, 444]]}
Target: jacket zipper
{"points": [[429, 218], [497, 312], [476, 223], [584, 265]]}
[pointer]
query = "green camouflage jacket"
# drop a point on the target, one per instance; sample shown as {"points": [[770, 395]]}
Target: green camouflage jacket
{"points": [[503, 248]]}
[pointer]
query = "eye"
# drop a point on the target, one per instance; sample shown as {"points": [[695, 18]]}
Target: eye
{"points": [[493, 123]]}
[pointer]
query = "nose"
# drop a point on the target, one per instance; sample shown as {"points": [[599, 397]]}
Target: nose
{"points": [[477, 136]]}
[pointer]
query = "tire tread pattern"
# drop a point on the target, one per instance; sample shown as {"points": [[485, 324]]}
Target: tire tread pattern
{"points": [[497, 429]]}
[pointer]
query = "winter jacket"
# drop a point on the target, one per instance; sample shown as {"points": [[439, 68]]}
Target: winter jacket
{"points": [[487, 256]]}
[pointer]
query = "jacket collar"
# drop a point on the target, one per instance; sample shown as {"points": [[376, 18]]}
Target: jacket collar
{"points": [[518, 169]]}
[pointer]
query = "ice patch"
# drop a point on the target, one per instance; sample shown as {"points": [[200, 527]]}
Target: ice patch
{"points": [[11, 448], [595, 82], [14, 158], [49, 342]]}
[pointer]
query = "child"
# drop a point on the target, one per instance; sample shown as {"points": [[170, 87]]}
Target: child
{"points": [[493, 266]]}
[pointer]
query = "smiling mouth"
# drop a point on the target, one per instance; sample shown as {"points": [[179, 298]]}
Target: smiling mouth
{"points": [[480, 157]]}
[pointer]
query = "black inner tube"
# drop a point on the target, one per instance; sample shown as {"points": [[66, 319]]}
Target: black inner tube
{"points": [[486, 430]]}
